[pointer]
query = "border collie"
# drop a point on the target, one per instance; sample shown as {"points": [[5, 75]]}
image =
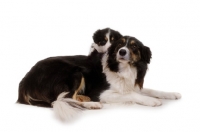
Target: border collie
{"points": [[76, 75], [125, 66], [121, 80], [116, 76]]}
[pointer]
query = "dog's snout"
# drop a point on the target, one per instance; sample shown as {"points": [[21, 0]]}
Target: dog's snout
{"points": [[122, 52]]}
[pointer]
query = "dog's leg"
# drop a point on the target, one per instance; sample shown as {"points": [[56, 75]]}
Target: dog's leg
{"points": [[87, 105], [79, 90], [159, 94], [110, 96], [83, 98]]}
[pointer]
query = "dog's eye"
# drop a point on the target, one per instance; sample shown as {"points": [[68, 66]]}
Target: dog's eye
{"points": [[112, 38], [134, 46], [106, 38]]}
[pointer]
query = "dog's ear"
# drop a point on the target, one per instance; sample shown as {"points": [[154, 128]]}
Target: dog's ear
{"points": [[112, 62], [146, 54]]}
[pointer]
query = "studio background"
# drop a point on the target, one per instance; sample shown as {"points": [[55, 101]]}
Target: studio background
{"points": [[33, 30]]}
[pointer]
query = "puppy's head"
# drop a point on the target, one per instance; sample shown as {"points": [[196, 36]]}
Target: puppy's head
{"points": [[127, 50], [104, 38]]}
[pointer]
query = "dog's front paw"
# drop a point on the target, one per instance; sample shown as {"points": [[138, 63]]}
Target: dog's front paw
{"points": [[172, 95], [151, 102], [128, 103]]}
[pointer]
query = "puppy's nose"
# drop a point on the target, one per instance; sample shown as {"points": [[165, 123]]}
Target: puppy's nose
{"points": [[122, 52]]}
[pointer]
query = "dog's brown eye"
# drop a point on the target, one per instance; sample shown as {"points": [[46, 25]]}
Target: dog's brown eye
{"points": [[106, 38], [134, 46], [112, 38]]}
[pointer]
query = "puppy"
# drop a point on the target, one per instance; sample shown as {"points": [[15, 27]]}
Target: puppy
{"points": [[103, 39], [125, 66]]}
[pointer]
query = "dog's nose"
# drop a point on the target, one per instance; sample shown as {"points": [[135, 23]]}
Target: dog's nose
{"points": [[122, 52]]}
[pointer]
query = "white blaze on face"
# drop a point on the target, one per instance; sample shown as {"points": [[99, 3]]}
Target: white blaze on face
{"points": [[125, 58], [103, 49]]}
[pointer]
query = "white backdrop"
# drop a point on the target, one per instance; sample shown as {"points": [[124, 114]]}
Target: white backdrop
{"points": [[34, 30]]}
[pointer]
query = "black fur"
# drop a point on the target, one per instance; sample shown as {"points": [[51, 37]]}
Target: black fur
{"points": [[142, 52], [99, 36], [54, 75], [146, 54], [47, 79], [112, 51]]}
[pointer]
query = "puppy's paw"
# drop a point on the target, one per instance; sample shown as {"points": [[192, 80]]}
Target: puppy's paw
{"points": [[151, 102], [171, 95]]}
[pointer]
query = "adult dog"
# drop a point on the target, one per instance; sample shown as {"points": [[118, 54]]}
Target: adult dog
{"points": [[116, 76], [125, 66], [76, 75]]}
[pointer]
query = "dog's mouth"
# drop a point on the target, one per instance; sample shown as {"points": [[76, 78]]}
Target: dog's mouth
{"points": [[123, 59]]}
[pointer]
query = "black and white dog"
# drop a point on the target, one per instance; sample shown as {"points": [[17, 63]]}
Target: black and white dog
{"points": [[76, 75], [103, 39], [116, 76], [125, 66]]}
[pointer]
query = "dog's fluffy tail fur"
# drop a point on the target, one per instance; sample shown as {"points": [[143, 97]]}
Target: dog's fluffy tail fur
{"points": [[66, 108]]}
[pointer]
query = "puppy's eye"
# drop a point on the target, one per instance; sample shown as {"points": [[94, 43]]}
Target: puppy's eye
{"points": [[102, 42], [112, 38]]}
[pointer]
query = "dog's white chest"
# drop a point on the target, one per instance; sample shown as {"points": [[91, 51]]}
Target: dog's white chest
{"points": [[122, 81]]}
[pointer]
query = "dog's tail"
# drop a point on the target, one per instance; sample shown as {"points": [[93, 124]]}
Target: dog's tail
{"points": [[66, 108]]}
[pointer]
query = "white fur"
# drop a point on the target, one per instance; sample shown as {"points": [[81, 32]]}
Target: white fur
{"points": [[123, 89], [122, 81], [92, 105], [126, 57], [92, 48], [159, 94], [65, 108], [62, 109], [111, 96]]}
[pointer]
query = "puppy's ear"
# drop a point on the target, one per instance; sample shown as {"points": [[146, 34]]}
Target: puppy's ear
{"points": [[117, 36], [146, 54], [96, 36]]}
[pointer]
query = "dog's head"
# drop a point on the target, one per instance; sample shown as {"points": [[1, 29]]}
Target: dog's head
{"points": [[128, 50], [104, 38]]}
